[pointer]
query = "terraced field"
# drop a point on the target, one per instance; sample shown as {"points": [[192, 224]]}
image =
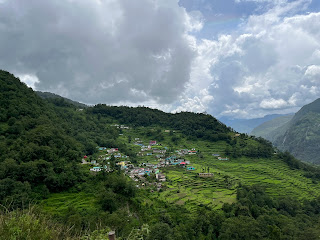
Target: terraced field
{"points": [[185, 188], [60, 203]]}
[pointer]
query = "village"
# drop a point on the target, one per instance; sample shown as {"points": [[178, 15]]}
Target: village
{"points": [[153, 159]]}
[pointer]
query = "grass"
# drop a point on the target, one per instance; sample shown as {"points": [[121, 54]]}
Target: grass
{"points": [[31, 225], [59, 203], [185, 188]]}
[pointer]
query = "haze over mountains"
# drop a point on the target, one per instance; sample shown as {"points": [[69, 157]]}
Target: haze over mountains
{"points": [[247, 125]]}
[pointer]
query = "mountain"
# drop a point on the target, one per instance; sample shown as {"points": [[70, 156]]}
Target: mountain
{"points": [[56, 98], [233, 187], [301, 135], [271, 129], [247, 125]]}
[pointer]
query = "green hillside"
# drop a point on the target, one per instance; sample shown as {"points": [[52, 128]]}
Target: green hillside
{"points": [[270, 130], [302, 137], [144, 173]]}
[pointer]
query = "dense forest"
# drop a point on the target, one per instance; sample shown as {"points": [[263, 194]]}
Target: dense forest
{"points": [[42, 142]]}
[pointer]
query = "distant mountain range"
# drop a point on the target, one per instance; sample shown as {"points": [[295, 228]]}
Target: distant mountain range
{"points": [[247, 125], [271, 129], [298, 134]]}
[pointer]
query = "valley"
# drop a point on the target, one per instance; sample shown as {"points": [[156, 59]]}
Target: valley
{"points": [[144, 174]]}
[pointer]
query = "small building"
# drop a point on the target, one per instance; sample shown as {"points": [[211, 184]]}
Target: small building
{"points": [[216, 155], [160, 177], [205, 175], [95, 169], [190, 168], [190, 152], [153, 143], [223, 159], [84, 161]]}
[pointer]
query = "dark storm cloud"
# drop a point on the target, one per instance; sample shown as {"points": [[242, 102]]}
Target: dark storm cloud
{"points": [[99, 51]]}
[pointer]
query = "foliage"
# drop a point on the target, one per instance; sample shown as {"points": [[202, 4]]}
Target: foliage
{"points": [[43, 141], [31, 225]]}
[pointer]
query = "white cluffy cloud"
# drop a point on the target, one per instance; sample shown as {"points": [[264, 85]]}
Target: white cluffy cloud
{"points": [[270, 65], [100, 51]]}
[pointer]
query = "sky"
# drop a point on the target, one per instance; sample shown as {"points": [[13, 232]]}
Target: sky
{"points": [[234, 58]]}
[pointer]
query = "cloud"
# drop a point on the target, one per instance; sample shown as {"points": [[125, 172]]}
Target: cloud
{"points": [[313, 71], [269, 65], [30, 80], [273, 103], [100, 51], [145, 53], [262, 1]]}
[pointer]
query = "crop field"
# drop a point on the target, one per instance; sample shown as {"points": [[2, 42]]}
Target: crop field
{"points": [[188, 189], [60, 203]]}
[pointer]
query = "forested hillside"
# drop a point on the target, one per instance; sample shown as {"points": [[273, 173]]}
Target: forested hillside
{"points": [[299, 134], [144, 173]]}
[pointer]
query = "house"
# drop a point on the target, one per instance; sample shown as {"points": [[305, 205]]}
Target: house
{"points": [[167, 131], [84, 161], [183, 164], [160, 177], [140, 154], [223, 159], [112, 150], [190, 168], [159, 151], [95, 169], [122, 163], [216, 155], [192, 152], [153, 143], [205, 175]]}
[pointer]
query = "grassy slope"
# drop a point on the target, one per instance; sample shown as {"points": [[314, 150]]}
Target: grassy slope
{"points": [[185, 188]]}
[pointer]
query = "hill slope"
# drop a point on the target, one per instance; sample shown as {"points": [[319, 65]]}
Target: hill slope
{"points": [[272, 128], [49, 148], [302, 135]]}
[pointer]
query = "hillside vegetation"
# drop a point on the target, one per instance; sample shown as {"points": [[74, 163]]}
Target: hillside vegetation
{"points": [[76, 165], [299, 135]]}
